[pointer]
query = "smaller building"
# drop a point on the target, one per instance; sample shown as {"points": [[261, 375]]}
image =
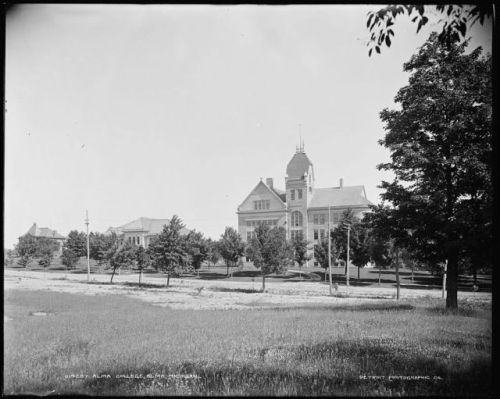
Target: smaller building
{"points": [[141, 231], [45, 232]]}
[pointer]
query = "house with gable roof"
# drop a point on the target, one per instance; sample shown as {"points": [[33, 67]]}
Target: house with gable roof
{"points": [[45, 232], [301, 208], [141, 231]]}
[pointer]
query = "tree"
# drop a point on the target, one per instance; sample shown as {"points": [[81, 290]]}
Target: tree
{"points": [[454, 29], [300, 255], [27, 249], [231, 247], [100, 244], [270, 251], [361, 238], [357, 251], [143, 261], [321, 252], [123, 256], [168, 249], [77, 243], [213, 255], [197, 248], [441, 156], [46, 248], [69, 258], [8, 257]]}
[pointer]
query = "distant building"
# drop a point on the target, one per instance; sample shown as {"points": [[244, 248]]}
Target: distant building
{"points": [[141, 231], [301, 208], [45, 232]]}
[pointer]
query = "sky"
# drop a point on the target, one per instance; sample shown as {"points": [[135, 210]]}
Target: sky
{"points": [[155, 110]]}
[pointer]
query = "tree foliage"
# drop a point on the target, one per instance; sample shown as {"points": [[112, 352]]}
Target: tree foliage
{"points": [[46, 249], [299, 247], [269, 250], [100, 244], [197, 248], [30, 247], [231, 247], [457, 20], [441, 156], [122, 256], [168, 250], [77, 243], [26, 249]]}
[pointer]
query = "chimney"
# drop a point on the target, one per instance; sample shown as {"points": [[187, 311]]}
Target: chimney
{"points": [[269, 182], [341, 182]]}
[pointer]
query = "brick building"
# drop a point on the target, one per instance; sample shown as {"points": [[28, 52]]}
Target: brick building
{"points": [[301, 208]]}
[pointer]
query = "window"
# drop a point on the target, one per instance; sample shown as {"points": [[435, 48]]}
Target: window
{"points": [[292, 195], [297, 234], [321, 219], [322, 233], [316, 219], [296, 219], [299, 193], [249, 223], [261, 204], [249, 235], [315, 234], [336, 217]]}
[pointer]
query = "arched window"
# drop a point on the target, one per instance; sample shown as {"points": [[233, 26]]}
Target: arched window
{"points": [[296, 219]]}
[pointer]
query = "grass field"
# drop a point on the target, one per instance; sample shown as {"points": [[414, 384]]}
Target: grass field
{"points": [[116, 345]]}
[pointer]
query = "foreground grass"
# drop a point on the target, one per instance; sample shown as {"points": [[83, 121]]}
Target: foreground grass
{"points": [[112, 345]]}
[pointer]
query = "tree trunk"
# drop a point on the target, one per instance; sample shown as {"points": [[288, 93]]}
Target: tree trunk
{"points": [[379, 273], [113, 274], [358, 272], [227, 269], [263, 282], [168, 279], [412, 267], [140, 277], [474, 273], [451, 280]]}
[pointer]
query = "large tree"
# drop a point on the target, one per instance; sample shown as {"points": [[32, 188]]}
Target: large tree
{"points": [[269, 251], [441, 156], [168, 250], [456, 19], [231, 247]]}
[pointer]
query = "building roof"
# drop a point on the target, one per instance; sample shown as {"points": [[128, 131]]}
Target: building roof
{"points": [[298, 165], [280, 193], [339, 196], [36, 231], [147, 225]]}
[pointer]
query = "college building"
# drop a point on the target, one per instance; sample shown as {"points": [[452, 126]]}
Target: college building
{"points": [[301, 208], [141, 231]]}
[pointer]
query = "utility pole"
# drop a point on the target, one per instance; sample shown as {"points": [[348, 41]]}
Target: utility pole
{"points": [[348, 244], [444, 277], [329, 251], [88, 245]]}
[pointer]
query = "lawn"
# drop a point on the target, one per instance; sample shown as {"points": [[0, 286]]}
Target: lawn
{"points": [[116, 345]]}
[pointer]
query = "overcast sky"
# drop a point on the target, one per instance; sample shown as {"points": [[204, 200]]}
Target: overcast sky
{"points": [[146, 110]]}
